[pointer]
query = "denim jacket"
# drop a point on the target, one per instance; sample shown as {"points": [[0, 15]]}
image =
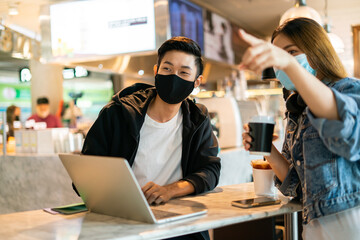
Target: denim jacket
{"points": [[324, 155]]}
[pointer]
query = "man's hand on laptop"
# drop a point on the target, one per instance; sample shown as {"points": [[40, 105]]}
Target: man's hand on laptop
{"points": [[156, 194]]}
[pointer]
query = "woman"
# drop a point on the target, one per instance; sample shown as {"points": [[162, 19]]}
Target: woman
{"points": [[12, 114], [320, 159]]}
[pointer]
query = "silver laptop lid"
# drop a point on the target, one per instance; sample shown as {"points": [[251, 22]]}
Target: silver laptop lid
{"points": [[108, 186]]}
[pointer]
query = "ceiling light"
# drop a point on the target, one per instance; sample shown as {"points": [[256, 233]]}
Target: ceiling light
{"points": [[17, 55], [81, 72], [141, 72], [301, 10], [13, 9], [42, 60], [27, 48], [335, 40]]}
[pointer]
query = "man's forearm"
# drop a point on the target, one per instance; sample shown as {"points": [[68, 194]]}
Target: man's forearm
{"points": [[180, 188]]}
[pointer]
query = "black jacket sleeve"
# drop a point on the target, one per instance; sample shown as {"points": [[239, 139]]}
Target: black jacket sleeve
{"points": [[205, 166]]}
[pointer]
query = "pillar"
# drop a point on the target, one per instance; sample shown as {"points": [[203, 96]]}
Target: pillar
{"points": [[47, 80]]}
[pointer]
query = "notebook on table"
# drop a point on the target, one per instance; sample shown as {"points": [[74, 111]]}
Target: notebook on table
{"points": [[108, 186]]}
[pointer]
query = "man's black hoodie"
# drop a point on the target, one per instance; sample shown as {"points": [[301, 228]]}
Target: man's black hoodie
{"points": [[116, 132]]}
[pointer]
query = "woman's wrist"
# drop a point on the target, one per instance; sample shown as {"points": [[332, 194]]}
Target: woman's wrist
{"points": [[276, 158], [290, 64], [278, 163], [271, 158]]}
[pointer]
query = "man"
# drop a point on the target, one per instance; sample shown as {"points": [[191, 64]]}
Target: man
{"points": [[43, 114], [166, 138]]}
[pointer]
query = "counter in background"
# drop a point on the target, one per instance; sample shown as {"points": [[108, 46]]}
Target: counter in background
{"points": [[33, 181]]}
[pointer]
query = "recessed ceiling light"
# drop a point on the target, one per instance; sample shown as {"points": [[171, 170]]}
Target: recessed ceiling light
{"points": [[13, 9], [141, 72]]}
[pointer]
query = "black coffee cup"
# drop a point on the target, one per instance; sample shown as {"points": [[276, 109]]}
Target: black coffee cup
{"points": [[261, 132]]}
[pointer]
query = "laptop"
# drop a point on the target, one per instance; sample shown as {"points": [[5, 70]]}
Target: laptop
{"points": [[108, 186]]}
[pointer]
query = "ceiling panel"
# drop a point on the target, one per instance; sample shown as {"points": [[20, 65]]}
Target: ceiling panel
{"points": [[259, 17]]}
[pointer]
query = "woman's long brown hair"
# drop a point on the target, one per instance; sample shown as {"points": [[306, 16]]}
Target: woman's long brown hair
{"points": [[312, 39]]}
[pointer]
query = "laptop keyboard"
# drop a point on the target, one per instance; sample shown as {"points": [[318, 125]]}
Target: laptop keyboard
{"points": [[160, 214]]}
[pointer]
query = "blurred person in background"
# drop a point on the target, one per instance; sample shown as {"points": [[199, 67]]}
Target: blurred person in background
{"points": [[12, 114], [72, 114], [320, 159], [43, 114]]}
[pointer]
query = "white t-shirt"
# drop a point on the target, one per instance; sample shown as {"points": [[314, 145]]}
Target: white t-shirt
{"points": [[158, 158], [341, 225]]}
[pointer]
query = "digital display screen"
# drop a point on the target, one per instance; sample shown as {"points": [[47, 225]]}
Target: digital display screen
{"points": [[107, 27], [218, 38], [186, 19]]}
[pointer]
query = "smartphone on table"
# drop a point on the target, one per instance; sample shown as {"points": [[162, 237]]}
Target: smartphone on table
{"points": [[255, 202]]}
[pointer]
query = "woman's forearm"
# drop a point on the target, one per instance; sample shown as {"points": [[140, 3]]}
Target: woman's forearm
{"points": [[278, 163], [318, 97]]}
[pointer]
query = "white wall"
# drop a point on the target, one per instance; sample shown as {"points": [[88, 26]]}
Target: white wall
{"points": [[342, 15]]}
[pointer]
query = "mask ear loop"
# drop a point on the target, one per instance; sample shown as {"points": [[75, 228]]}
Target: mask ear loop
{"points": [[194, 100]]}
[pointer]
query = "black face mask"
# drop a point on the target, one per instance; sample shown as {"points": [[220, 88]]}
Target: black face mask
{"points": [[17, 118], [173, 89]]}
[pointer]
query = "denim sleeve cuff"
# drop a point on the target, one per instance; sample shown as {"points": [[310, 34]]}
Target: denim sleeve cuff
{"points": [[347, 109], [290, 184]]}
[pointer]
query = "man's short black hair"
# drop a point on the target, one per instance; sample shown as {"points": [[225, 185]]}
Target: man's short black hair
{"points": [[185, 45], [42, 100]]}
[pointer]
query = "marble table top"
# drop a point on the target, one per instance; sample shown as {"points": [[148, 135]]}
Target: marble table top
{"points": [[41, 225]]}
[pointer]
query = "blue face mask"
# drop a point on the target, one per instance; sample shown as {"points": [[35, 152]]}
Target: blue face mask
{"points": [[285, 80]]}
